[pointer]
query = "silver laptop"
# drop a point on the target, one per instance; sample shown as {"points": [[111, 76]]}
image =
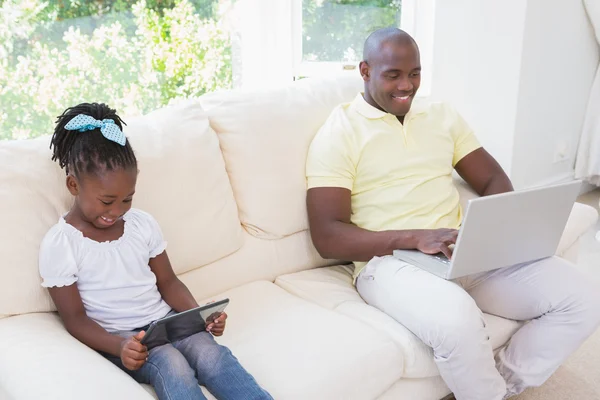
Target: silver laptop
{"points": [[503, 230]]}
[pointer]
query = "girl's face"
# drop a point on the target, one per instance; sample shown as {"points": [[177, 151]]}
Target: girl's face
{"points": [[103, 198]]}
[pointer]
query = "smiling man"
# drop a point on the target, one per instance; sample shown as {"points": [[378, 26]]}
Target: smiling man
{"points": [[388, 54], [379, 175]]}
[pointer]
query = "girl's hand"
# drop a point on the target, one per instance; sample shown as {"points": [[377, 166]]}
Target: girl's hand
{"points": [[133, 353], [217, 325]]}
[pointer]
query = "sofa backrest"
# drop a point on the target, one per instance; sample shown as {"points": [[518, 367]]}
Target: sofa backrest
{"points": [[182, 183], [32, 196], [265, 138], [222, 174]]}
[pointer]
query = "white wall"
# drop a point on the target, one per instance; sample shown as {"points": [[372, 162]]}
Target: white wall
{"points": [[520, 72], [559, 60], [476, 66]]}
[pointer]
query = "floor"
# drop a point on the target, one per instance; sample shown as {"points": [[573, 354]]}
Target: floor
{"points": [[579, 377]]}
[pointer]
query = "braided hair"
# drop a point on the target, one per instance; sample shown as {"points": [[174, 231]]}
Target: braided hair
{"points": [[89, 152]]}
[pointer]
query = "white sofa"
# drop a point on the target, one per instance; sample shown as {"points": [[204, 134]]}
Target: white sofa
{"points": [[224, 175]]}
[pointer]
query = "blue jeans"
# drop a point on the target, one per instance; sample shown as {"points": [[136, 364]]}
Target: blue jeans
{"points": [[175, 370]]}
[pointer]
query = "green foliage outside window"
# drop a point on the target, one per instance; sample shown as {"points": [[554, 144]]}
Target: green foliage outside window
{"points": [[140, 55], [135, 56], [335, 30]]}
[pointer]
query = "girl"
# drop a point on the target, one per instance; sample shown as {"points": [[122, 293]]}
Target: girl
{"points": [[106, 268]]}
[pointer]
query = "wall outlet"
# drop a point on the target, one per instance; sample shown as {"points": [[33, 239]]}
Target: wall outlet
{"points": [[561, 151]]}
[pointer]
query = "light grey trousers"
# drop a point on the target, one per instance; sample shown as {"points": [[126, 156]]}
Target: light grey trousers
{"points": [[562, 306]]}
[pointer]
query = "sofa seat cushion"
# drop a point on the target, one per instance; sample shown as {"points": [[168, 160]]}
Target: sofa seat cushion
{"points": [[298, 350], [332, 288], [41, 360], [294, 348]]}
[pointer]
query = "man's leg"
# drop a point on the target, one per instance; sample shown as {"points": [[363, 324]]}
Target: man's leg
{"points": [[563, 308], [444, 317], [218, 370]]}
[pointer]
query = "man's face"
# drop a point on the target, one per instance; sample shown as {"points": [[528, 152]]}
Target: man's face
{"points": [[392, 77]]}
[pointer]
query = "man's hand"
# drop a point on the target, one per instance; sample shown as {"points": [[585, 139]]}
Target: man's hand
{"points": [[133, 353], [216, 324], [435, 241]]}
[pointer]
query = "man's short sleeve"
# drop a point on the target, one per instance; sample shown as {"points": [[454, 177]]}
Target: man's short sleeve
{"points": [[330, 156], [465, 141]]}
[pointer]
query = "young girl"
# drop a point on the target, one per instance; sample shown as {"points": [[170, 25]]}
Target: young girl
{"points": [[107, 270]]}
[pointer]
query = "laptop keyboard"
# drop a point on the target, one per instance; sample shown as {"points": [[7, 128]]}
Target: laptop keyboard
{"points": [[442, 259]]}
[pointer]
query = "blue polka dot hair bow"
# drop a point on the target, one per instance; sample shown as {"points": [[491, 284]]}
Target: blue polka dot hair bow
{"points": [[108, 127]]}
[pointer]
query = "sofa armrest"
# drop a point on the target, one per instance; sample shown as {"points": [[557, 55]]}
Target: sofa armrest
{"points": [[582, 218], [41, 360]]}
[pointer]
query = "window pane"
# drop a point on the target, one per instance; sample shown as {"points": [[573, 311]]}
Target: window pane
{"points": [[133, 55], [335, 30]]}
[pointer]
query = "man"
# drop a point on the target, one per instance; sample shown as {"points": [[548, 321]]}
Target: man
{"points": [[379, 178]]}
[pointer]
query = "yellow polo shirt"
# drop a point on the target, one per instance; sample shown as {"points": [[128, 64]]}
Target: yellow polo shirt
{"points": [[400, 175]]}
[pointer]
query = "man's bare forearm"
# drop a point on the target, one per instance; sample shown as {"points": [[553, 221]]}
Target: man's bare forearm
{"points": [[348, 242]]}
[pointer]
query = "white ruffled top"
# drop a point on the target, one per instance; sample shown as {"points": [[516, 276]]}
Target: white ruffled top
{"points": [[114, 279]]}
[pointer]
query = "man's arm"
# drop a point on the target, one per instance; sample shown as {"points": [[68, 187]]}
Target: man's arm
{"points": [[483, 173], [335, 237]]}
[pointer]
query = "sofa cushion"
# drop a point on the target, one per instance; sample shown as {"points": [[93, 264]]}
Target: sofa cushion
{"points": [[32, 197], [265, 138], [184, 185], [40, 360], [150, 390], [258, 259], [420, 389], [332, 288], [581, 219], [182, 182], [294, 348], [298, 350]]}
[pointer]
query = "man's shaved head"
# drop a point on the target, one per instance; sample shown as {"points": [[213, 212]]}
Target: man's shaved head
{"points": [[391, 69], [383, 36]]}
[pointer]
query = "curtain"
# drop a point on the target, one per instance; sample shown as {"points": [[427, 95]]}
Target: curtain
{"points": [[263, 43], [587, 165]]}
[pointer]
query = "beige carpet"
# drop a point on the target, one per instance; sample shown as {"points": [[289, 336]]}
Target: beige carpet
{"points": [[577, 379]]}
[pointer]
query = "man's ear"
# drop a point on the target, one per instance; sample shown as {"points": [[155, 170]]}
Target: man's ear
{"points": [[72, 185], [364, 69]]}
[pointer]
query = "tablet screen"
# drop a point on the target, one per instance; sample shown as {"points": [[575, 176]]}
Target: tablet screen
{"points": [[179, 326]]}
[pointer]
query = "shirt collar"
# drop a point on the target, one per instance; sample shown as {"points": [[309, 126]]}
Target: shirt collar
{"points": [[370, 112]]}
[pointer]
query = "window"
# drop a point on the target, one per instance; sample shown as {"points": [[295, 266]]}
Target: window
{"points": [[328, 35], [140, 55], [133, 55], [333, 32]]}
